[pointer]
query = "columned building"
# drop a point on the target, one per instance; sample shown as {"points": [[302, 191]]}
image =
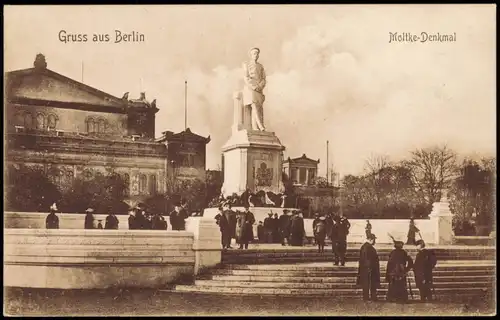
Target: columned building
{"points": [[301, 170], [71, 130]]}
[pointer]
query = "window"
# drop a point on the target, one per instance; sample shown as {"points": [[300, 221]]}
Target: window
{"points": [[28, 120], [90, 124], [152, 184], [188, 160], [52, 121], [312, 175], [101, 126], [302, 177], [293, 176], [142, 183], [40, 121], [126, 181]]}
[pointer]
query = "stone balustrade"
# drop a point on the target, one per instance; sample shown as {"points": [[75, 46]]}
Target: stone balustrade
{"points": [[85, 259]]}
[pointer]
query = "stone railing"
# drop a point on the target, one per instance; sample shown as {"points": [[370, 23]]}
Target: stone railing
{"points": [[72, 257], [84, 259]]}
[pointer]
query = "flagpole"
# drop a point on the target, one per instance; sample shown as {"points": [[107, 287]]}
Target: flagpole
{"points": [[185, 104]]}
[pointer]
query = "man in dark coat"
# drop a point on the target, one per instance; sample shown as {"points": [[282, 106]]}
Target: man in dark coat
{"points": [[297, 230], [111, 222], [398, 265], [52, 221], [89, 219], [412, 232], [224, 221], [342, 227], [133, 221], [276, 229], [425, 261], [244, 228], [260, 232], [368, 228], [268, 228], [369, 269], [178, 218], [284, 227]]}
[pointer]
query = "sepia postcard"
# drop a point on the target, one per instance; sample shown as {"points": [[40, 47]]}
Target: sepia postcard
{"points": [[250, 160]]}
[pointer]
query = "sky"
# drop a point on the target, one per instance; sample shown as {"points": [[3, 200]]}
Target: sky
{"points": [[331, 72]]}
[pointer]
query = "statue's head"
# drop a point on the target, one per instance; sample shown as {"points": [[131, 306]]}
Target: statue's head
{"points": [[254, 53]]}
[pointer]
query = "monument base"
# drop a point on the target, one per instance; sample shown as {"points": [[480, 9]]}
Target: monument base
{"points": [[253, 162]]}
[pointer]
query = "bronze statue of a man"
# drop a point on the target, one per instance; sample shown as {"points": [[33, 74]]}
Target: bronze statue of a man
{"points": [[255, 82]]}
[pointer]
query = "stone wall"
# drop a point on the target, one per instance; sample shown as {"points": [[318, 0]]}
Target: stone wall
{"points": [[84, 259]]}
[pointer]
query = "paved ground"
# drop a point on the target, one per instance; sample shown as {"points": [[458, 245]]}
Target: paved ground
{"points": [[150, 302]]}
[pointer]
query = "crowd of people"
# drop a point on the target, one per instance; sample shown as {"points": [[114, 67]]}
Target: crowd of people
{"points": [[286, 229], [139, 219]]}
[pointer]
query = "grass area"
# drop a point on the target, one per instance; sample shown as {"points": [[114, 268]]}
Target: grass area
{"points": [[30, 302]]}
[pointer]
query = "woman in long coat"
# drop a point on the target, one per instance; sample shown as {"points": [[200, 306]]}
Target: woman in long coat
{"points": [[244, 228]]}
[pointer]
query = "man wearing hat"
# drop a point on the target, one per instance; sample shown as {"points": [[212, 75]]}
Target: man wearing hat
{"points": [[398, 265], [369, 269], [284, 226], [425, 261], [89, 219], [268, 228], [52, 221], [244, 228], [132, 219], [111, 221]]}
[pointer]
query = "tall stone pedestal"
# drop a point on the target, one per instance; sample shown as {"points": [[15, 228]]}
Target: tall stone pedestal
{"points": [[252, 160], [442, 220]]}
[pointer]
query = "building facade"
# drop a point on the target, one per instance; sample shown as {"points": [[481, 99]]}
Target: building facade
{"points": [[301, 171], [72, 130]]}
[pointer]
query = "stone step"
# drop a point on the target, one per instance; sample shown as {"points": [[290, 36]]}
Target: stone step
{"points": [[337, 273], [351, 279], [335, 286], [317, 267], [294, 255], [344, 293]]}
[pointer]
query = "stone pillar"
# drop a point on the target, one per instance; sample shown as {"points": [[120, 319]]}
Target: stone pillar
{"points": [[207, 242], [441, 218], [307, 177]]}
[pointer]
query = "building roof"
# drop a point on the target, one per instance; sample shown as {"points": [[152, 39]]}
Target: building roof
{"points": [[302, 159], [42, 86], [185, 135]]}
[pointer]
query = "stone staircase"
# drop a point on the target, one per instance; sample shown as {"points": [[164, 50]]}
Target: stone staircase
{"points": [[452, 279], [310, 254]]}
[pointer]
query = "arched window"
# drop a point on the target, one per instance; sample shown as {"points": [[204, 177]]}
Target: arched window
{"points": [[28, 120], [101, 126], [90, 124], [152, 184], [52, 121], [40, 121], [143, 180]]}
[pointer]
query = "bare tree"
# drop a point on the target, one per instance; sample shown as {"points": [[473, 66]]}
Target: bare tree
{"points": [[432, 169], [378, 180]]}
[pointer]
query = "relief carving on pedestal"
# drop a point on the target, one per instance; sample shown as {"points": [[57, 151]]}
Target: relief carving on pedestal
{"points": [[263, 175]]}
